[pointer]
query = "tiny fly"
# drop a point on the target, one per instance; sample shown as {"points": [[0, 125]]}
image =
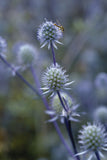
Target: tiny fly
{"points": [[59, 26]]}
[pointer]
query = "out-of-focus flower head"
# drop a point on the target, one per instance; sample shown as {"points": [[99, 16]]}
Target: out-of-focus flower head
{"points": [[56, 104], [93, 138], [54, 79], [4, 79], [3, 46], [101, 80], [101, 86], [100, 114], [49, 33], [27, 55], [57, 111]]}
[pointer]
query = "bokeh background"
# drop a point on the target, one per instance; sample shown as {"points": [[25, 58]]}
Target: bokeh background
{"points": [[24, 135]]}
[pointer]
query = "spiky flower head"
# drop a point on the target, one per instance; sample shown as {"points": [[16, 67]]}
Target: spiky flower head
{"points": [[93, 138], [49, 33], [59, 112], [101, 80], [3, 46], [100, 114], [101, 86], [54, 79], [56, 104], [26, 55]]}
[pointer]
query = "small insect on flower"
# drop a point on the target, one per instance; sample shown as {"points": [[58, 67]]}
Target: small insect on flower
{"points": [[59, 26], [49, 33]]}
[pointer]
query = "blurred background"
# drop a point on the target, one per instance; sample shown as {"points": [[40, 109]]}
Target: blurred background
{"points": [[24, 135]]}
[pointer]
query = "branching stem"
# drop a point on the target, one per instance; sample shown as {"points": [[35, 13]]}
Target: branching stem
{"points": [[19, 75]]}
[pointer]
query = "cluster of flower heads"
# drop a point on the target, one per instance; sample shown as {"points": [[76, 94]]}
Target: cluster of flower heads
{"points": [[93, 137], [55, 82], [55, 79], [57, 111], [3, 46], [49, 33]]}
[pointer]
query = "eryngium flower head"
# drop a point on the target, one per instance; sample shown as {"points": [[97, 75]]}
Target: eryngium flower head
{"points": [[93, 138], [57, 111], [3, 46], [100, 114], [101, 80], [26, 55], [56, 104], [55, 79], [49, 33], [101, 86]]}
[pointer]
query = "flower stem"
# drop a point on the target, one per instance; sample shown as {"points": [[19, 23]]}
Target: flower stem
{"points": [[97, 155], [62, 103], [19, 75], [53, 54], [69, 129], [47, 107], [68, 126]]}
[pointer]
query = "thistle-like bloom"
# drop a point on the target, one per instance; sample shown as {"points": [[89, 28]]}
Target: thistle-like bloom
{"points": [[55, 79], [49, 33], [101, 80], [26, 55], [100, 114], [93, 138], [56, 104], [57, 111], [3, 46]]}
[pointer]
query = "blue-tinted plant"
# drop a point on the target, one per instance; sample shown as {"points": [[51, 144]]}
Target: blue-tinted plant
{"points": [[93, 138], [49, 34], [59, 112], [55, 80], [56, 84]]}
